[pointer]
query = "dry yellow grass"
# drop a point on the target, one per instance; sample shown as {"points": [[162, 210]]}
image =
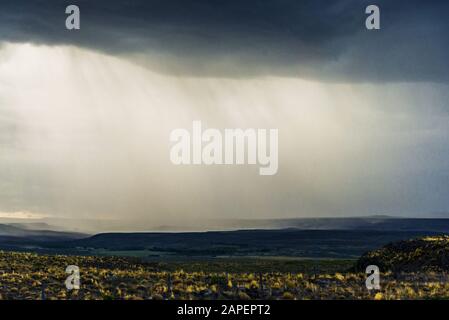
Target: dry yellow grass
{"points": [[32, 276]]}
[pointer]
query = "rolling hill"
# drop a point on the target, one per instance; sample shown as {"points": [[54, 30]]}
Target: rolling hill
{"points": [[413, 255]]}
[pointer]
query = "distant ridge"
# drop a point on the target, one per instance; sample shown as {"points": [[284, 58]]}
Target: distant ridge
{"points": [[308, 237], [374, 222], [283, 242], [17, 236]]}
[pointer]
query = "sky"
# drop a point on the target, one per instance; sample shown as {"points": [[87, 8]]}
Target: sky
{"points": [[86, 115]]}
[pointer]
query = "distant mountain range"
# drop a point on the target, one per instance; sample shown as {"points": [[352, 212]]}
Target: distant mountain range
{"points": [[18, 236], [92, 226], [317, 237], [352, 223], [255, 243]]}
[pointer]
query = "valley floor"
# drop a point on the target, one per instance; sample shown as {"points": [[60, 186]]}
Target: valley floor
{"points": [[33, 276]]}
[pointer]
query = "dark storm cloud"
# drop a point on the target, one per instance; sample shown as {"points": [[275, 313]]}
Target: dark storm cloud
{"points": [[325, 40]]}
